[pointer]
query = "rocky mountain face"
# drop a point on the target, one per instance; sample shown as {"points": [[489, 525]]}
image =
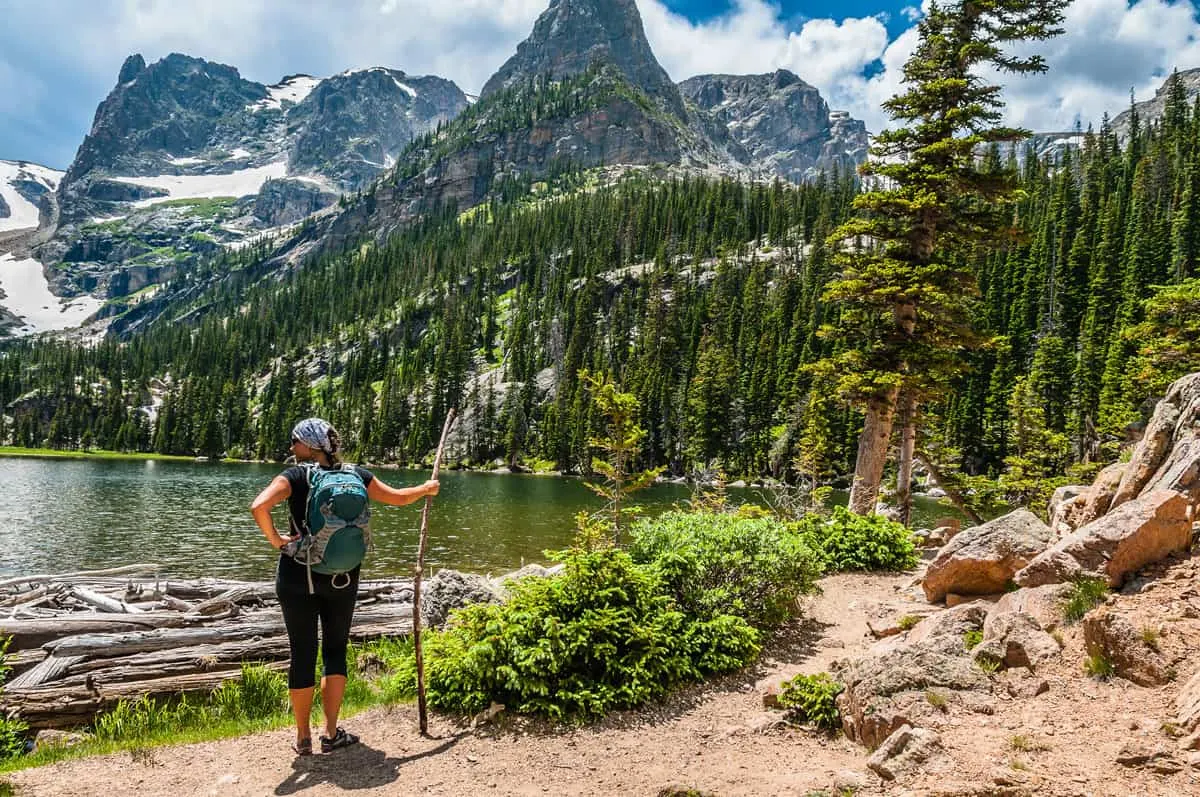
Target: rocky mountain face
{"points": [[781, 122], [186, 157], [1153, 108], [584, 91], [572, 35]]}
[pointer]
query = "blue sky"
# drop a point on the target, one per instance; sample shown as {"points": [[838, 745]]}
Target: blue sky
{"points": [[59, 58]]}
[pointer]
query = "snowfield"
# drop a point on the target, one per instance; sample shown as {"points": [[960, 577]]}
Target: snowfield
{"points": [[293, 90], [28, 296], [206, 186], [24, 213]]}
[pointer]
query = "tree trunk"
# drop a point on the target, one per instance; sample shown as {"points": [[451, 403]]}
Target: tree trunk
{"points": [[954, 495], [908, 443], [872, 452]]}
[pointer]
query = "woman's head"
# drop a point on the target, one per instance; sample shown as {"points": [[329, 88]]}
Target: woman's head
{"points": [[318, 436]]}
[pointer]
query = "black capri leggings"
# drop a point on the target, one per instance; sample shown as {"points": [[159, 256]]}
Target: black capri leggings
{"points": [[331, 607]]}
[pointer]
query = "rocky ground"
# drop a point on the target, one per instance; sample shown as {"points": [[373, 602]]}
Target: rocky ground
{"points": [[1049, 730]]}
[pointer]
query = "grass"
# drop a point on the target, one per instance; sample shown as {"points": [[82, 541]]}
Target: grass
{"points": [[1151, 635], [1026, 744], [907, 621], [1087, 593], [1098, 666], [55, 453], [937, 700], [255, 703], [988, 664], [972, 638]]}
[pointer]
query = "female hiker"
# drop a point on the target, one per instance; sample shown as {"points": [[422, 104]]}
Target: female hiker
{"points": [[322, 592]]}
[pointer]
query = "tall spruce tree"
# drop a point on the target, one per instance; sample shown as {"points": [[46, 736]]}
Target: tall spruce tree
{"points": [[906, 285]]}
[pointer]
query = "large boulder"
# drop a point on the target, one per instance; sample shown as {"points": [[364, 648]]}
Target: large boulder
{"points": [[1113, 637], [982, 560], [1168, 456], [1130, 537], [1098, 498], [449, 590]]}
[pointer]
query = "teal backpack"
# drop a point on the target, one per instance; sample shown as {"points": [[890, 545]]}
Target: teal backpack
{"points": [[338, 537]]}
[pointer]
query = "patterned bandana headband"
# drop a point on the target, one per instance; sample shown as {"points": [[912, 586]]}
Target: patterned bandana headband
{"points": [[314, 433]]}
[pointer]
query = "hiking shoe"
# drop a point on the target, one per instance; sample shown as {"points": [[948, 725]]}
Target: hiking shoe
{"points": [[340, 739], [304, 746]]}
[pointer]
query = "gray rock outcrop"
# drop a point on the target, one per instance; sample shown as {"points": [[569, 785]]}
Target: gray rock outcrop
{"points": [[449, 590], [885, 689], [781, 122]]}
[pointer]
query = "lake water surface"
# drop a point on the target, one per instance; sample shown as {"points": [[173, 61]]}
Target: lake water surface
{"points": [[193, 518]]}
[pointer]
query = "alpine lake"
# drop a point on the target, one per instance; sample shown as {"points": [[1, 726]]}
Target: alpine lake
{"points": [[193, 519]]}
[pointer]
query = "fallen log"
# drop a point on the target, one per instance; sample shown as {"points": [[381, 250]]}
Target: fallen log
{"points": [[103, 602], [33, 633], [82, 574]]}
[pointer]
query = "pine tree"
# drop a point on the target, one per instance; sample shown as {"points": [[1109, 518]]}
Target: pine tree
{"points": [[907, 292]]}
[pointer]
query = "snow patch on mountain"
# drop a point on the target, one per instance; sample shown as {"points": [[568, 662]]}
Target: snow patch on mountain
{"points": [[409, 90], [27, 295], [293, 90], [24, 214], [206, 186]]}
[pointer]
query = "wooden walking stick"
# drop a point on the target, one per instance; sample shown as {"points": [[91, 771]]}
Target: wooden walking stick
{"points": [[423, 717]]}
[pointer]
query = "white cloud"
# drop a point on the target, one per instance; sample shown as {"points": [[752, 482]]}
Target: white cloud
{"points": [[61, 58]]}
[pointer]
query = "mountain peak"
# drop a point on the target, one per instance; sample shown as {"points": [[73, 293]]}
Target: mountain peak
{"points": [[571, 35], [134, 65]]}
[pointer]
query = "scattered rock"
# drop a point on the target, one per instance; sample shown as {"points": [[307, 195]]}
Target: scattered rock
{"points": [[982, 560], [1143, 755], [1130, 537], [903, 751], [889, 619], [1019, 683], [1043, 604], [771, 693], [1110, 635], [1187, 704], [48, 737], [885, 689], [954, 599], [1016, 640]]}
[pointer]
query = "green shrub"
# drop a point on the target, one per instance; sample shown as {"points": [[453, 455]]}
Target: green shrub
{"points": [[723, 564], [972, 638], [599, 636], [13, 732], [1086, 593], [813, 698], [858, 542]]}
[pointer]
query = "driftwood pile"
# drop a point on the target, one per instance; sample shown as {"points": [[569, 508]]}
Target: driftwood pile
{"points": [[79, 642]]}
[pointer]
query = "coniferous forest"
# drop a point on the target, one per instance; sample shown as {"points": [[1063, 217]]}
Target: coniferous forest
{"points": [[704, 298]]}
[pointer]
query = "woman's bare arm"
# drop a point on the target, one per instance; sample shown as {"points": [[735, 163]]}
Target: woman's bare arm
{"points": [[278, 490], [399, 496]]}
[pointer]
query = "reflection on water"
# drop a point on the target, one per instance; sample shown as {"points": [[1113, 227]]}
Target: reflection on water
{"points": [[194, 519]]}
